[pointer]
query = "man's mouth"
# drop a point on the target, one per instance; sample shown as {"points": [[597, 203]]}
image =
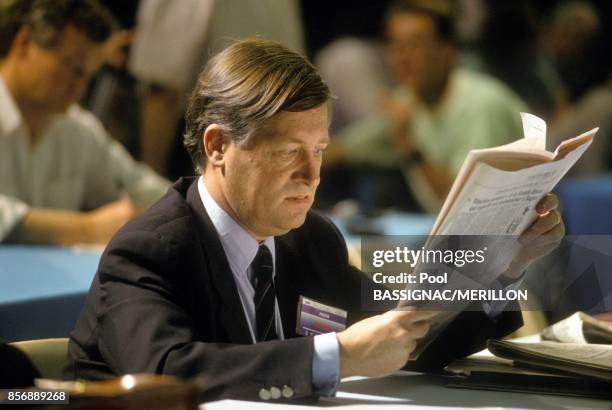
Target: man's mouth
{"points": [[299, 199]]}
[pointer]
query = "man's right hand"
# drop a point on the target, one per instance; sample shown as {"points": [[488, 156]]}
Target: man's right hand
{"points": [[399, 113], [381, 344]]}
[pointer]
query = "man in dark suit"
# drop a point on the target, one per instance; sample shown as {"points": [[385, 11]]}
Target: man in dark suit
{"points": [[207, 281]]}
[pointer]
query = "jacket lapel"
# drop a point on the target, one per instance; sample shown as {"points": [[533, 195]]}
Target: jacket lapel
{"points": [[232, 315]]}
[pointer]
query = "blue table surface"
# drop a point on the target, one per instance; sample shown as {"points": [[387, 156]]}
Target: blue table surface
{"points": [[406, 224], [38, 272], [29, 272], [394, 223]]}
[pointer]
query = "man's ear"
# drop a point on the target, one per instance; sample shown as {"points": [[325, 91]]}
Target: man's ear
{"points": [[214, 145]]}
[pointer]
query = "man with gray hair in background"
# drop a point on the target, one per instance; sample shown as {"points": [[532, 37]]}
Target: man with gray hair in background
{"points": [[207, 282], [63, 179]]}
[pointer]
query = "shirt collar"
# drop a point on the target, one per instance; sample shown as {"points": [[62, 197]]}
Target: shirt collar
{"points": [[239, 246], [10, 116]]}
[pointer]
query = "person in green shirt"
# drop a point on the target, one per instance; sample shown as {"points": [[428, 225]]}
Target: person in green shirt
{"points": [[427, 125]]}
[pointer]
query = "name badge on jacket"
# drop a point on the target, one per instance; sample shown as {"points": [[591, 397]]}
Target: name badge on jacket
{"points": [[316, 318]]}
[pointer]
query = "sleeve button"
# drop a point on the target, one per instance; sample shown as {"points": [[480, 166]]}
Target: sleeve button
{"points": [[288, 392], [264, 394], [275, 392]]}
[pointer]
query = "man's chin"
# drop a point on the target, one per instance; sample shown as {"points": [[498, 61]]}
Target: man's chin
{"points": [[294, 221], [60, 108]]}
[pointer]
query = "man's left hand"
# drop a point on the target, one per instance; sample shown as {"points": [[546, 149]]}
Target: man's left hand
{"points": [[541, 238]]}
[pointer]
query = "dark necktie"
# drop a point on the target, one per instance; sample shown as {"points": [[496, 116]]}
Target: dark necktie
{"points": [[265, 294]]}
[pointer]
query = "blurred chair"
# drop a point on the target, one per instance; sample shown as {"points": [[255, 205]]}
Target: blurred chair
{"points": [[16, 369], [48, 355]]}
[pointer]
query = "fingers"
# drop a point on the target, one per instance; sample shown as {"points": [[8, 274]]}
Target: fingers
{"points": [[419, 329], [553, 236], [547, 204], [550, 223], [414, 332], [557, 233], [412, 320], [411, 324], [534, 253], [410, 345], [407, 337], [397, 110]]}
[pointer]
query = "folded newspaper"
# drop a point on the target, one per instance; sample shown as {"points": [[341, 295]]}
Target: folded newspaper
{"points": [[579, 344], [588, 360], [567, 369], [575, 359], [497, 189], [494, 196], [580, 328]]}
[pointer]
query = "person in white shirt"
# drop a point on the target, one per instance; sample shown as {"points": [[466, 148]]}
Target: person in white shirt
{"points": [[63, 179], [172, 42]]}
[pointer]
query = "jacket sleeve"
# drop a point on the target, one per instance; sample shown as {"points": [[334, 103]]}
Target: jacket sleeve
{"points": [[467, 333], [144, 326]]}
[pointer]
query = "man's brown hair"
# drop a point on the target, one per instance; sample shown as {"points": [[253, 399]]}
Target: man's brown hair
{"points": [[441, 11], [244, 86], [47, 18]]}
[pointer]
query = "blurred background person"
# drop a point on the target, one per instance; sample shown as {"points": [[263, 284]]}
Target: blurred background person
{"points": [[347, 46], [63, 179], [572, 39], [172, 42], [112, 94], [592, 109], [509, 48], [438, 112], [549, 57], [356, 70]]}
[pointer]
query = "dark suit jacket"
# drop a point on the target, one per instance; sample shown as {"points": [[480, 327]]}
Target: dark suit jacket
{"points": [[164, 301]]}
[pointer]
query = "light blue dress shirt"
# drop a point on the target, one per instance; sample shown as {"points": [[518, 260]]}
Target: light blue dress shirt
{"points": [[240, 249]]}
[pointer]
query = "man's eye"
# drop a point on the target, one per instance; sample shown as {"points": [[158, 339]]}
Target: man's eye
{"points": [[289, 152], [319, 151]]}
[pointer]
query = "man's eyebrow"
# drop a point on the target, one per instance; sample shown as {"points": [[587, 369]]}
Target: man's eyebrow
{"points": [[292, 140]]}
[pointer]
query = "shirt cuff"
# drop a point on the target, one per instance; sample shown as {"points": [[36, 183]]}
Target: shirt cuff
{"points": [[326, 364]]}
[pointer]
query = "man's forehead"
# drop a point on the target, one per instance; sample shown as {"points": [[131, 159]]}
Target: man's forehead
{"points": [[71, 37], [411, 23], [303, 126]]}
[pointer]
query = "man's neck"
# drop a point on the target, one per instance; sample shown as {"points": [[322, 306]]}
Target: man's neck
{"points": [[36, 121], [434, 95], [216, 192], [35, 117]]}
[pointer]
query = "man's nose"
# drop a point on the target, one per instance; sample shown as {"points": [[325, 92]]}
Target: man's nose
{"points": [[310, 169]]}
